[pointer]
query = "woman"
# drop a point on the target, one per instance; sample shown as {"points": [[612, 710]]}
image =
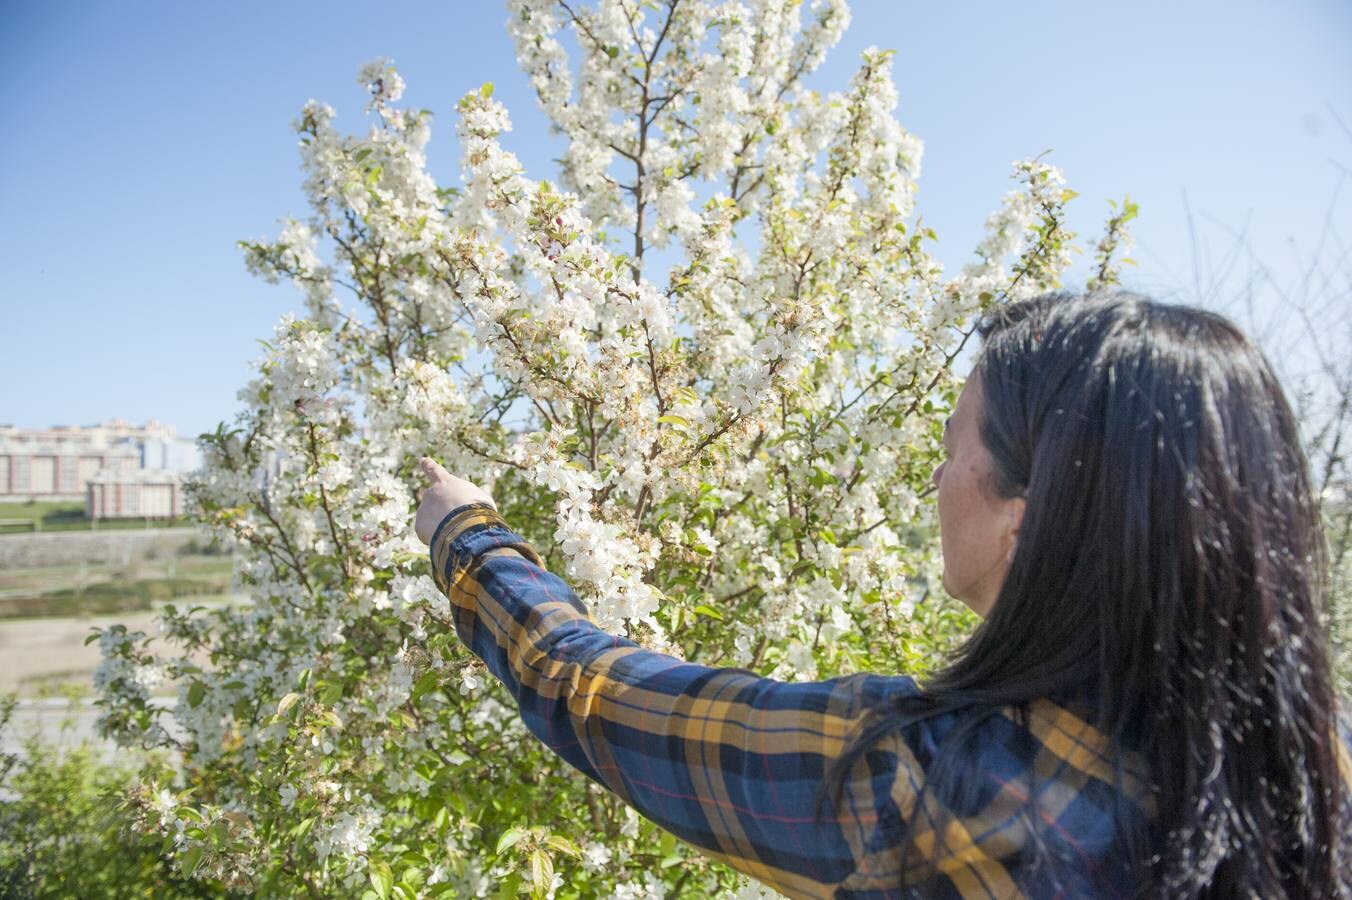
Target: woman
{"points": [[1146, 707]]}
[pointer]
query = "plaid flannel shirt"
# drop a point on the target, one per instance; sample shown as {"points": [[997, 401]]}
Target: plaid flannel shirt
{"points": [[731, 762]]}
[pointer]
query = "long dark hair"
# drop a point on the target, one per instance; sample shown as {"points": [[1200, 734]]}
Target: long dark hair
{"points": [[1169, 556]]}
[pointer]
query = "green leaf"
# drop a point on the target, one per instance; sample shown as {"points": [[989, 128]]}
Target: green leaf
{"points": [[286, 703], [612, 51], [330, 692], [509, 839], [428, 682], [563, 845], [541, 871], [412, 877], [382, 879], [196, 691], [190, 861], [486, 90], [673, 419], [709, 611], [509, 886]]}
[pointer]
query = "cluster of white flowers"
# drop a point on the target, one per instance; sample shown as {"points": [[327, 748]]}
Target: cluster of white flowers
{"points": [[1008, 231], [382, 80], [348, 835], [648, 887], [302, 366]]}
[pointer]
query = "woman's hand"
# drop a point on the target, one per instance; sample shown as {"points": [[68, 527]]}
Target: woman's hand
{"points": [[445, 494]]}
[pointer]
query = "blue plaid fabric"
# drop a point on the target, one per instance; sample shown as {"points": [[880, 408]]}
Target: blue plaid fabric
{"points": [[731, 762]]}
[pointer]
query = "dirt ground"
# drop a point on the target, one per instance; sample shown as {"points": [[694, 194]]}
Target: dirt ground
{"points": [[44, 653], [39, 657]]}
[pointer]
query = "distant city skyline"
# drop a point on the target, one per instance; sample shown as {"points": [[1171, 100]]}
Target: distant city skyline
{"points": [[116, 468], [142, 142]]}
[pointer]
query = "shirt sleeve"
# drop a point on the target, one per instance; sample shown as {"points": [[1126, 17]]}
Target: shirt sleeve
{"points": [[726, 760]]}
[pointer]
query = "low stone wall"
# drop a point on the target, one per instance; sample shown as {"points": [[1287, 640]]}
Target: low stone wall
{"points": [[120, 546]]}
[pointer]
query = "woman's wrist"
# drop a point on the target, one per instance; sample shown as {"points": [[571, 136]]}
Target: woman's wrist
{"points": [[445, 494]]}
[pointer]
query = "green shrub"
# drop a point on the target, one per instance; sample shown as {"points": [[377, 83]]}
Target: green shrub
{"points": [[112, 597], [65, 830]]}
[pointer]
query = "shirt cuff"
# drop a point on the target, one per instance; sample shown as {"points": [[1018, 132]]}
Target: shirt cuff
{"points": [[452, 545], [466, 532]]}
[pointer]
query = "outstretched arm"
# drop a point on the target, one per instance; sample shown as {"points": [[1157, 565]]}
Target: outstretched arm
{"points": [[725, 760]]}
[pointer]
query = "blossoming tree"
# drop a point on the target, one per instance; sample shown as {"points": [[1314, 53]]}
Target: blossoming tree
{"points": [[704, 374]]}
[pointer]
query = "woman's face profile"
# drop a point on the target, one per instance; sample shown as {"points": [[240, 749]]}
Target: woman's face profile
{"points": [[977, 527]]}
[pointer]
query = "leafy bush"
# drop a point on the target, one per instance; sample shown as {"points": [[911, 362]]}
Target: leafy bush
{"points": [[725, 447], [66, 829]]}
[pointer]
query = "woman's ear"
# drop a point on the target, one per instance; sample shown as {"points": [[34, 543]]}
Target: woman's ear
{"points": [[1014, 521]]}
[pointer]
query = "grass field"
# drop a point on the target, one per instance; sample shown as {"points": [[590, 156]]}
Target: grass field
{"points": [[113, 597], [69, 516], [102, 590]]}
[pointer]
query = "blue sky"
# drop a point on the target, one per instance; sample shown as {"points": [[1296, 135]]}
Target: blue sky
{"points": [[142, 139]]}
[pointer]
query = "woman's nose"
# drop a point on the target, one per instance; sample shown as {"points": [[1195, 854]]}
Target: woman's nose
{"points": [[938, 472]]}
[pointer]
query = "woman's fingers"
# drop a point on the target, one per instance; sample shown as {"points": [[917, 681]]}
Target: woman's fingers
{"points": [[433, 470], [443, 493]]}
